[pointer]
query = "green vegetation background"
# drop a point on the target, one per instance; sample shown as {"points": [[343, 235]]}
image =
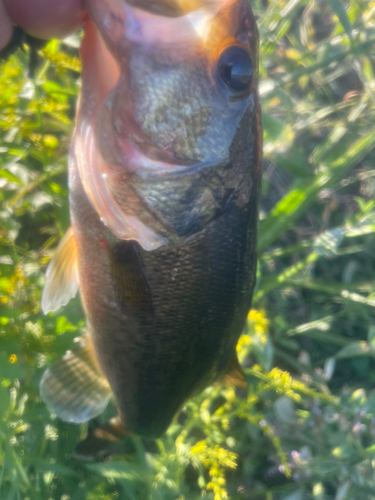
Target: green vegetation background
{"points": [[305, 429]]}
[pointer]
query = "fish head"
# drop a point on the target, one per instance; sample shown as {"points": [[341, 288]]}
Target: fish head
{"points": [[168, 127]]}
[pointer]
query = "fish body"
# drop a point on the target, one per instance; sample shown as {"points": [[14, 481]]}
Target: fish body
{"points": [[164, 177]]}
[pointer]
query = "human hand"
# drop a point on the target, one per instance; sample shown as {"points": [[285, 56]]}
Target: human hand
{"points": [[40, 18]]}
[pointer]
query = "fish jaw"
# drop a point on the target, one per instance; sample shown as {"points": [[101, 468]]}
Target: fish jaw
{"points": [[100, 75], [141, 125]]}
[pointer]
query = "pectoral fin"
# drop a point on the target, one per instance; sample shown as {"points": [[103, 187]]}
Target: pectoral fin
{"points": [[62, 275], [74, 388], [131, 283]]}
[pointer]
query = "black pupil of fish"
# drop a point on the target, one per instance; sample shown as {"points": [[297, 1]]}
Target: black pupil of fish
{"points": [[236, 69]]}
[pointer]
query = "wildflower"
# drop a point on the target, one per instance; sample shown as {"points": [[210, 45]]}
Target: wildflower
{"points": [[359, 427]]}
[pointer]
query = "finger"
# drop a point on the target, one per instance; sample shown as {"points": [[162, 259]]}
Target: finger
{"points": [[6, 26], [46, 18]]}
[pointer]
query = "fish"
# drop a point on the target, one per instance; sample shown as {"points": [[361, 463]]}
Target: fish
{"points": [[164, 181]]}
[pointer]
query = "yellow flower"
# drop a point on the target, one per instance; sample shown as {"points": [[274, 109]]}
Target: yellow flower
{"points": [[13, 358], [259, 320], [256, 336]]}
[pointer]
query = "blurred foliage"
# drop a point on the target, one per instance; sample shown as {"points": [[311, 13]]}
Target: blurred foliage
{"points": [[305, 428]]}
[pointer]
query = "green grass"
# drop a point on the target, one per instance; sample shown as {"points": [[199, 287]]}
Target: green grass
{"points": [[305, 429]]}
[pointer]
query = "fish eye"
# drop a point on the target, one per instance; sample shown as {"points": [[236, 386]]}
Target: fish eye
{"points": [[236, 69]]}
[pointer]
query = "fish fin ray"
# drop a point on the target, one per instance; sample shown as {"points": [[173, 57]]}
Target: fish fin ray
{"points": [[62, 275], [74, 388], [235, 375], [131, 283], [111, 431]]}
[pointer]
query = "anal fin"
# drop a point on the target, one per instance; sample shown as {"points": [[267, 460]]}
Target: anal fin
{"points": [[62, 275], [74, 388]]}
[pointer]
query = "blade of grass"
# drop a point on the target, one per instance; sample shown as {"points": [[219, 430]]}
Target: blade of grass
{"points": [[298, 200]]}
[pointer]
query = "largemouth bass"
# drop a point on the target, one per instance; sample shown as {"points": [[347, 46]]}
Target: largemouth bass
{"points": [[164, 176]]}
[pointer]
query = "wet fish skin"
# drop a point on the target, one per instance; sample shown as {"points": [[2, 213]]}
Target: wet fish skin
{"points": [[164, 323]]}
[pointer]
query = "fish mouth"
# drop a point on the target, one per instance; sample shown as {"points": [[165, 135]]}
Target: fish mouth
{"points": [[131, 150], [144, 167], [153, 184]]}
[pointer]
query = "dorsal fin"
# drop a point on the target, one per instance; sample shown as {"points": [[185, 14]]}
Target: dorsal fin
{"points": [[62, 275], [74, 388]]}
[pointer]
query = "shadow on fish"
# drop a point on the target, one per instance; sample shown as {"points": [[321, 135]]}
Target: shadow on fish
{"points": [[164, 177]]}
